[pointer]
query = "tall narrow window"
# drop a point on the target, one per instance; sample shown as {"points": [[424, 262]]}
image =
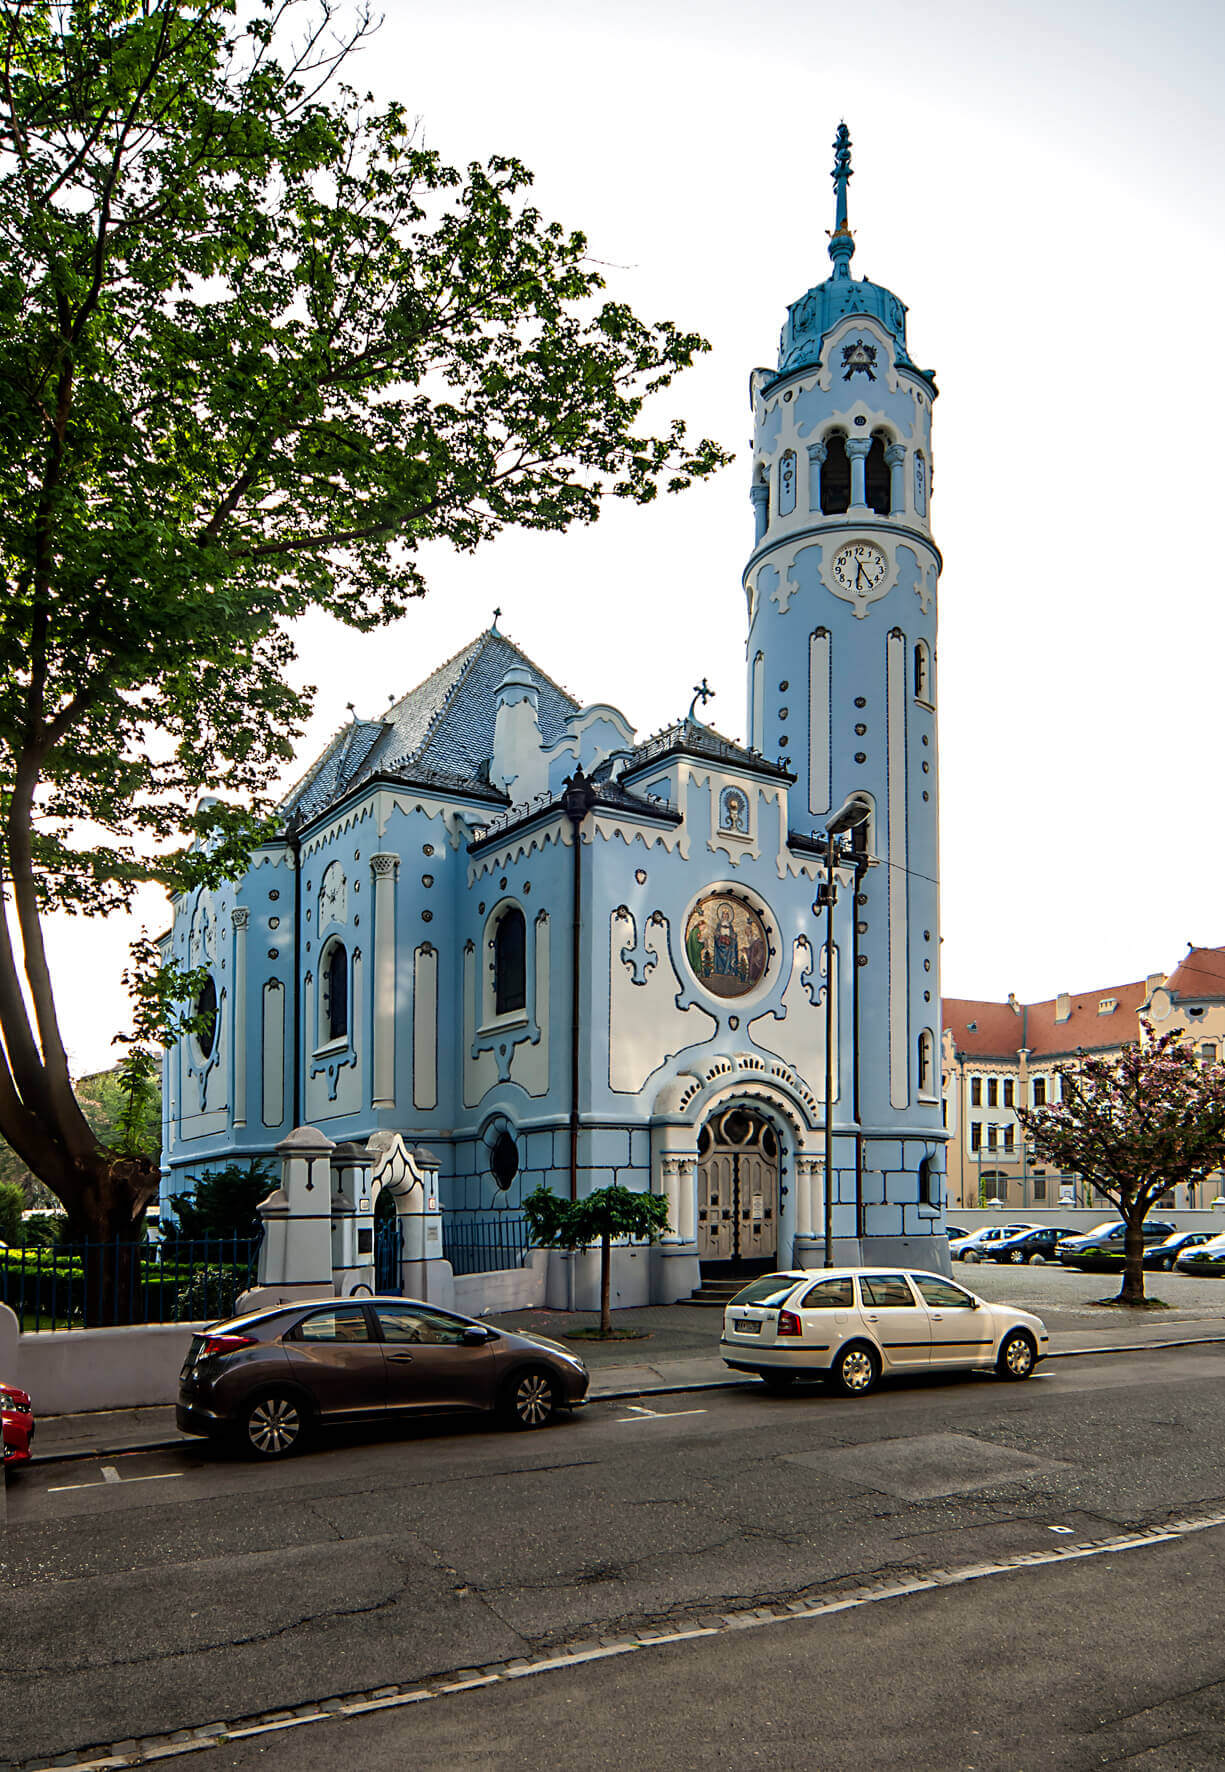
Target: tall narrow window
{"points": [[510, 963], [922, 672], [1039, 1091], [835, 475], [927, 1051], [876, 475], [334, 980], [993, 1092]]}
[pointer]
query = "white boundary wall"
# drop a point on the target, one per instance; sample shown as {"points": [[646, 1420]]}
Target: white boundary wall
{"points": [[71, 1370]]}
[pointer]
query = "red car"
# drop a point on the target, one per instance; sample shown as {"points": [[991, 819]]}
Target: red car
{"points": [[17, 1423]]}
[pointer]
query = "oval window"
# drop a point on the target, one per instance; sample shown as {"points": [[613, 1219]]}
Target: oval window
{"points": [[206, 1009], [504, 1160]]}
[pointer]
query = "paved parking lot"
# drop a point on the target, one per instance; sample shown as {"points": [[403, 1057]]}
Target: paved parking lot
{"points": [[1048, 1288]]}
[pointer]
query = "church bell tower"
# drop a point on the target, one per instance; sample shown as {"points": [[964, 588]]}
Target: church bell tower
{"points": [[842, 688]]}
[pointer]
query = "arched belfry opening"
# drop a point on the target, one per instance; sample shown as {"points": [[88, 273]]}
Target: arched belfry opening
{"points": [[739, 1158], [877, 489], [835, 475]]}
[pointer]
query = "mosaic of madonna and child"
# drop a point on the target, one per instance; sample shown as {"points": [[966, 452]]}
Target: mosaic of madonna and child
{"points": [[726, 945]]}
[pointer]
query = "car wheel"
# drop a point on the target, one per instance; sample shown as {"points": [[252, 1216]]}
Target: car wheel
{"points": [[274, 1424], [1016, 1255], [855, 1372], [1168, 1266], [969, 1255], [778, 1381], [529, 1400], [1017, 1355]]}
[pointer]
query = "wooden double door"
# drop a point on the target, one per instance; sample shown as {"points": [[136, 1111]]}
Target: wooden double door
{"points": [[738, 1170]]}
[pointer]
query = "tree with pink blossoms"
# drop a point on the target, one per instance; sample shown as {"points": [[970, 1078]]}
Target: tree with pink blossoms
{"points": [[1134, 1126]]}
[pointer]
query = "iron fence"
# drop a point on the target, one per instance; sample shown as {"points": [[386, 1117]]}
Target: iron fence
{"points": [[102, 1285], [484, 1245]]}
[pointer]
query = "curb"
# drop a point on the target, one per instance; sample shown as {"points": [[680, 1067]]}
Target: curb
{"points": [[626, 1396]]}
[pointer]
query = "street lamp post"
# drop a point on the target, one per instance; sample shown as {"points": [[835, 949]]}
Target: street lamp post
{"points": [[852, 815]]}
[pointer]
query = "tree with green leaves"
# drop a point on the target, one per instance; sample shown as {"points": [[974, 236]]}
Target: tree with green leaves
{"points": [[1134, 1126], [12, 1205], [602, 1217], [258, 346], [222, 1203]]}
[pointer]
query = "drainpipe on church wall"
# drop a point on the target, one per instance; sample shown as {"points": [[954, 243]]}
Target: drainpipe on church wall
{"points": [[295, 850], [577, 800]]}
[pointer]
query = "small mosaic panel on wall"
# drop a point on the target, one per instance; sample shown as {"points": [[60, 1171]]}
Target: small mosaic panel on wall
{"points": [[726, 945]]}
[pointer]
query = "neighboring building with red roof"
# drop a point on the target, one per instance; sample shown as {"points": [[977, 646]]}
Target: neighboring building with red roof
{"points": [[998, 1057]]}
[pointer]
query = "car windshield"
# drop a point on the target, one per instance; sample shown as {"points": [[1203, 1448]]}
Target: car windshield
{"points": [[1106, 1228], [767, 1289]]}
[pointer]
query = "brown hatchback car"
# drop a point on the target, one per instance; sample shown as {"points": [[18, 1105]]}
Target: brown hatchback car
{"points": [[270, 1378]]}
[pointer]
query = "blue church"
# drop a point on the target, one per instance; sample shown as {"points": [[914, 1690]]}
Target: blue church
{"points": [[506, 928]]}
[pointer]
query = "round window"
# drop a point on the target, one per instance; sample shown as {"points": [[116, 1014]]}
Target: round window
{"points": [[726, 945], [504, 1160], [206, 1008]]}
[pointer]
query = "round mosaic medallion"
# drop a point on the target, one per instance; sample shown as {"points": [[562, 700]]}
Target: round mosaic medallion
{"points": [[726, 945]]}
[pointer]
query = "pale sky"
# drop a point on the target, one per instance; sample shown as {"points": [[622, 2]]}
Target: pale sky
{"points": [[1041, 184]]}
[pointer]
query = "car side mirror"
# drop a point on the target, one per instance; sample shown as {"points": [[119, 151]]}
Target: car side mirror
{"points": [[475, 1336]]}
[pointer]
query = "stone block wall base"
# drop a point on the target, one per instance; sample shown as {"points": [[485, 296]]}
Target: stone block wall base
{"points": [[676, 1272], [574, 1279]]}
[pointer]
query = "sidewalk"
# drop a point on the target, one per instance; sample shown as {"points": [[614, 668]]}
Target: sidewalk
{"points": [[678, 1352]]}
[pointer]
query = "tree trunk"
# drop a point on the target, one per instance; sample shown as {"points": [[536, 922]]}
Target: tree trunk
{"points": [[605, 1284], [109, 1212], [1133, 1261]]}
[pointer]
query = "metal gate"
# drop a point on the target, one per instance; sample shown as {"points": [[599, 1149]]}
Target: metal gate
{"points": [[388, 1255], [738, 1188]]}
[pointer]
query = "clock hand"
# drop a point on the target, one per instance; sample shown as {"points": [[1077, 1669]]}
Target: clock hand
{"points": [[859, 573]]}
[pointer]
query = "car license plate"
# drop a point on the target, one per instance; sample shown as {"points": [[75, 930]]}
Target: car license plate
{"points": [[747, 1328]]}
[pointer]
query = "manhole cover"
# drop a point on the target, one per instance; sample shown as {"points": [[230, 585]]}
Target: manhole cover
{"points": [[926, 1466]]}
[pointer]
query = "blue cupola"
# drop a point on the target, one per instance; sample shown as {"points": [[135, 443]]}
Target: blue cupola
{"points": [[810, 318]]}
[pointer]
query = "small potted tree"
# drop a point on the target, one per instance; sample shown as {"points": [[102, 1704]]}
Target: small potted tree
{"points": [[605, 1214]]}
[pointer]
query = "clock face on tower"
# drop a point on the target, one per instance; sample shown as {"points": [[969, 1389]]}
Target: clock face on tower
{"points": [[859, 568]]}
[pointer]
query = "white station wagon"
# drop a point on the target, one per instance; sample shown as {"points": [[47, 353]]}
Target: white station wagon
{"points": [[848, 1325]]}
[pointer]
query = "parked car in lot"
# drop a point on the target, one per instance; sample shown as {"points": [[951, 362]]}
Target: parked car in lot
{"points": [[851, 1325], [269, 1379], [970, 1247], [1102, 1247], [16, 1425], [1036, 1244], [1205, 1259], [955, 1232], [1162, 1256]]}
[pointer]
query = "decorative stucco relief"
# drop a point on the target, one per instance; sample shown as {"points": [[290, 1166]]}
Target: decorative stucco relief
{"points": [[646, 1024]]}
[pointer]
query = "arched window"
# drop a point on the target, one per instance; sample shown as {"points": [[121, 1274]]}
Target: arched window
{"points": [[334, 992], [510, 963], [835, 475], [206, 1009], [927, 1066], [922, 672], [876, 476]]}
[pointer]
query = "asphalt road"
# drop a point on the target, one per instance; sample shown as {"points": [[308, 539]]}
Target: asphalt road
{"points": [[172, 1590]]}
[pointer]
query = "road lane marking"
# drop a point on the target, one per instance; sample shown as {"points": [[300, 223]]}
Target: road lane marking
{"points": [[642, 1413], [111, 1475], [358, 1704]]}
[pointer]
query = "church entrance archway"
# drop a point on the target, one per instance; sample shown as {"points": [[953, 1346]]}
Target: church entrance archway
{"points": [[738, 1171]]}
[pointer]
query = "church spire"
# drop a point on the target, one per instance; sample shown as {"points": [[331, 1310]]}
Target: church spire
{"points": [[841, 241]]}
